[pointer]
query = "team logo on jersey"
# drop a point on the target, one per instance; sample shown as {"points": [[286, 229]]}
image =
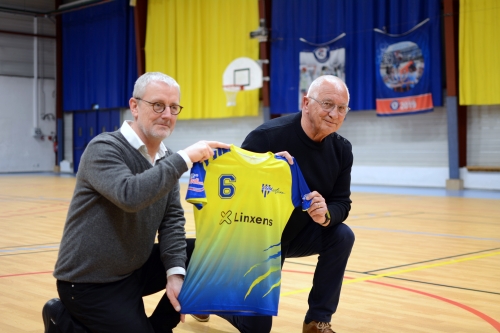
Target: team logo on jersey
{"points": [[266, 189], [195, 184], [242, 217]]}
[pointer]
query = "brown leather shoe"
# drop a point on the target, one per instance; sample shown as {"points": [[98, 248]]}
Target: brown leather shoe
{"points": [[201, 318], [315, 327]]}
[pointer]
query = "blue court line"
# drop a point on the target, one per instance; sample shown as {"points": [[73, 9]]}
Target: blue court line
{"points": [[426, 233], [34, 248]]}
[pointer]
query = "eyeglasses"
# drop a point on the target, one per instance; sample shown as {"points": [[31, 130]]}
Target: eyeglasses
{"points": [[160, 107], [329, 106]]}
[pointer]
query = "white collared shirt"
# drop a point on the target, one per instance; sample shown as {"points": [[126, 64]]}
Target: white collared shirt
{"points": [[136, 142]]}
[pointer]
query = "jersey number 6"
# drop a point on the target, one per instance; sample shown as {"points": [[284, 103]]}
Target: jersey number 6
{"points": [[226, 188]]}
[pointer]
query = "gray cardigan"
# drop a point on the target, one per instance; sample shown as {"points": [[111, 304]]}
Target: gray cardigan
{"points": [[120, 202]]}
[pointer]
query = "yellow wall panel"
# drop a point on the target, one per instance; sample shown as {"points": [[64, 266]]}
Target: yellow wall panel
{"points": [[479, 52], [193, 41]]}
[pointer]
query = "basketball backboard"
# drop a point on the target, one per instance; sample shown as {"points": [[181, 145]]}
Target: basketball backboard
{"points": [[244, 72]]}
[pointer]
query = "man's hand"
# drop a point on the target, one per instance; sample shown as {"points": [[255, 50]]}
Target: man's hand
{"points": [[203, 150], [318, 208], [173, 288], [286, 155]]}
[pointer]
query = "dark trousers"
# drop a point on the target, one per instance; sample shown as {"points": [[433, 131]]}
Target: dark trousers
{"points": [[334, 247], [118, 306]]}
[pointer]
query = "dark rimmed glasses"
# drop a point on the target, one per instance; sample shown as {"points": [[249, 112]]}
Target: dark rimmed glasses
{"points": [[158, 107], [328, 106]]}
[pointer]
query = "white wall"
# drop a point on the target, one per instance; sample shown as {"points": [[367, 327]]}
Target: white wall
{"points": [[483, 135], [480, 180], [413, 150], [19, 150], [409, 150], [419, 140]]}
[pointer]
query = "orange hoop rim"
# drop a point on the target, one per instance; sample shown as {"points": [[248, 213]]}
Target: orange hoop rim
{"points": [[233, 87]]}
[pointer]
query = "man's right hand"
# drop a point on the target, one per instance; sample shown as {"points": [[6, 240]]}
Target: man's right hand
{"points": [[203, 150]]}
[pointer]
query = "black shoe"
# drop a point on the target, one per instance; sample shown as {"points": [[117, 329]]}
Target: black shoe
{"points": [[49, 314]]}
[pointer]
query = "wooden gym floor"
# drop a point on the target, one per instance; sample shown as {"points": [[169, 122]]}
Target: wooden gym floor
{"points": [[421, 263]]}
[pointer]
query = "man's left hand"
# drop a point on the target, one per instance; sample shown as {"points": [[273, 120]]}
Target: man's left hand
{"points": [[286, 155], [173, 289], [318, 208]]}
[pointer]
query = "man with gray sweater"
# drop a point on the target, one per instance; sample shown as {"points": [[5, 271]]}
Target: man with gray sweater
{"points": [[126, 192]]}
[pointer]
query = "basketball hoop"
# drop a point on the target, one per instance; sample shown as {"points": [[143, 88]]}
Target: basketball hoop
{"points": [[231, 91]]}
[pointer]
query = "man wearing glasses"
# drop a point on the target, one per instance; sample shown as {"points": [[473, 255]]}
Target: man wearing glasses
{"points": [[325, 159], [127, 191]]}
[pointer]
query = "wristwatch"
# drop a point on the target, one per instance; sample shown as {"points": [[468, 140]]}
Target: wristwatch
{"points": [[327, 218]]}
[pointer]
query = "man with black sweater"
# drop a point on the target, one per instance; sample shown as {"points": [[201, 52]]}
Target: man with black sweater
{"points": [[325, 159]]}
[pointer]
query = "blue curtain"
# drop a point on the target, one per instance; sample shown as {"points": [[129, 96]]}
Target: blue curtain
{"points": [[319, 21], [99, 59]]}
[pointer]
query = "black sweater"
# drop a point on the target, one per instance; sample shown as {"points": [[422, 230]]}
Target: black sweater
{"points": [[326, 166]]}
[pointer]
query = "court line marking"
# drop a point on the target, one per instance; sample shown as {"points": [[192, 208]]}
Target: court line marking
{"points": [[481, 315], [425, 233], [402, 271], [413, 215], [444, 285], [42, 211], [17, 254], [24, 274], [18, 198], [29, 245], [450, 220], [409, 280], [438, 264], [475, 312], [430, 260], [34, 248]]}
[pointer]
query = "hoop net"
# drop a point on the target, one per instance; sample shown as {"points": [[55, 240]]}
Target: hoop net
{"points": [[231, 91]]}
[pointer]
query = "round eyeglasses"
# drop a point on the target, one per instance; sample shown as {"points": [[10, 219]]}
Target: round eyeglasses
{"points": [[158, 107], [328, 106]]}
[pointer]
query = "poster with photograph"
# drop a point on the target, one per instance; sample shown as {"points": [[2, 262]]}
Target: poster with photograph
{"points": [[403, 75], [320, 59]]}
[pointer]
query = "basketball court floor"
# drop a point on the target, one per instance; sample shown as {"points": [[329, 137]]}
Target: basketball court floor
{"points": [[424, 260]]}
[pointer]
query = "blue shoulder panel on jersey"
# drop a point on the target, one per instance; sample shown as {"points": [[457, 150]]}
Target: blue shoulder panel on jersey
{"points": [[196, 187], [299, 185]]}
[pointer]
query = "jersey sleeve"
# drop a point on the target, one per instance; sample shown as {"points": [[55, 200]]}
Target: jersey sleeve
{"points": [[299, 186], [196, 188]]}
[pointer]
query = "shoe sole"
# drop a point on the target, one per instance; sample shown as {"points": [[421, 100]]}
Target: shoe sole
{"points": [[202, 320]]}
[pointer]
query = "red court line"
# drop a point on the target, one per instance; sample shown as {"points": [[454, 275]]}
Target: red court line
{"points": [[481, 315], [23, 274]]}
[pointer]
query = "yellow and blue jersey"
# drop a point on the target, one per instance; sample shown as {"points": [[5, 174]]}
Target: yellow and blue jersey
{"points": [[243, 201]]}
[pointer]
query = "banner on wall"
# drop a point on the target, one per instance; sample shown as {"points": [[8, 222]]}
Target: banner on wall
{"points": [[403, 78], [320, 59]]}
